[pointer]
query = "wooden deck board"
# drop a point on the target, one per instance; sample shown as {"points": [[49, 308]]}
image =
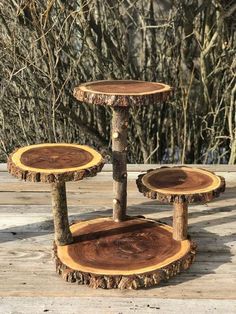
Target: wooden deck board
{"points": [[115, 305], [26, 234]]}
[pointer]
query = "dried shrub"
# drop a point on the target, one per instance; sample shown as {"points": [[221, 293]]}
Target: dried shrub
{"points": [[48, 47]]}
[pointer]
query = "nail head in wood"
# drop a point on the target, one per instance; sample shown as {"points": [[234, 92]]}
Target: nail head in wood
{"points": [[115, 135]]}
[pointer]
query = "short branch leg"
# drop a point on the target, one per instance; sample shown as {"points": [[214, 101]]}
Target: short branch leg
{"points": [[180, 220], [119, 147], [63, 235]]}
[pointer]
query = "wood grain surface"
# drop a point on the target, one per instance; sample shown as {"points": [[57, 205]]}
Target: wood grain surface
{"points": [[124, 87], [170, 184], [182, 180], [131, 254], [54, 162], [127, 247], [56, 157]]}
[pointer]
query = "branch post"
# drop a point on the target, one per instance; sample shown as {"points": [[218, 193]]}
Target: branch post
{"points": [[119, 149], [180, 220], [63, 235]]}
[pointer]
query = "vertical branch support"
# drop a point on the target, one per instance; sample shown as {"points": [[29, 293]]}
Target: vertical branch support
{"points": [[180, 219], [119, 148], [63, 235]]}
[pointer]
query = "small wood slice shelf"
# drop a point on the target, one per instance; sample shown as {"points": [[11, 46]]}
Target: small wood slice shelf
{"points": [[54, 162], [168, 184], [131, 254], [122, 93]]}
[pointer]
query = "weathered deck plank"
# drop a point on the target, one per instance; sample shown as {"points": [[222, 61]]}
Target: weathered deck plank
{"points": [[26, 234], [112, 305]]}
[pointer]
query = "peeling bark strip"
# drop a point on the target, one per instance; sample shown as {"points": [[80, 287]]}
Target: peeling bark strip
{"points": [[98, 257], [122, 93], [63, 235], [119, 148], [54, 163]]}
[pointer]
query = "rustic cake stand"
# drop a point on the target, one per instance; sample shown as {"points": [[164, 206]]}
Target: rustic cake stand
{"points": [[180, 186], [56, 164]]}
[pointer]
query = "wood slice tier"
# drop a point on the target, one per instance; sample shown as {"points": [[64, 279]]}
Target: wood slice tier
{"points": [[54, 162], [131, 254], [122, 93], [169, 184]]}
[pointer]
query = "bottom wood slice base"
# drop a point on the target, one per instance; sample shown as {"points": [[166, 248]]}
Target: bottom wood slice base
{"points": [[131, 254]]}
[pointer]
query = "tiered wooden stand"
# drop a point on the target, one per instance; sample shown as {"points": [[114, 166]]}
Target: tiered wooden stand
{"points": [[120, 252]]}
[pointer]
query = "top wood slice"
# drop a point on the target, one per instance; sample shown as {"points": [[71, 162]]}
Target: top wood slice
{"points": [[122, 93], [169, 184], [54, 162]]}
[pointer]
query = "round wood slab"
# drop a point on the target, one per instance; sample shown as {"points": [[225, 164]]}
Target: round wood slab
{"points": [[54, 162], [130, 254], [122, 93], [167, 184]]}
